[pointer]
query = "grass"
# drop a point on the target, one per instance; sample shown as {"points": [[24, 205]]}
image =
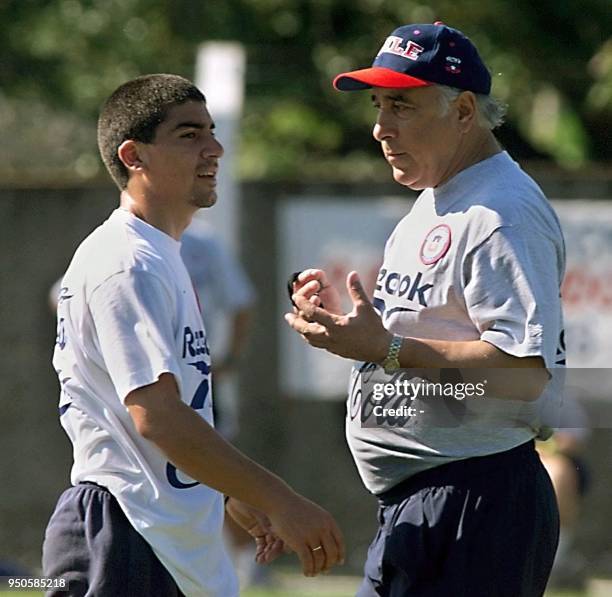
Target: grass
{"points": [[295, 586], [281, 593], [324, 593], [278, 593]]}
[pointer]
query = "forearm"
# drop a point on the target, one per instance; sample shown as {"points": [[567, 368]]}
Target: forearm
{"points": [[477, 360], [449, 354], [360, 335], [195, 448]]}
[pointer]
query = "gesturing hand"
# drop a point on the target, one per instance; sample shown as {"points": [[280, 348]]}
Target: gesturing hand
{"points": [[358, 335]]}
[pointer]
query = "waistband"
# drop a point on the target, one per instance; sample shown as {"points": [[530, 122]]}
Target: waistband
{"points": [[456, 472], [93, 485]]}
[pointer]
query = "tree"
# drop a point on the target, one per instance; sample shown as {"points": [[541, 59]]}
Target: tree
{"points": [[60, 58]]}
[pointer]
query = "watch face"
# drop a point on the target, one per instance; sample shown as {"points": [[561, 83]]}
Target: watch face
{"points": [[391, 365]]}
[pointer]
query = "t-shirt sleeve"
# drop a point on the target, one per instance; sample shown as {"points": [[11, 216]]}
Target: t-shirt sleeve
{"points": [[132, 314], [511, 290]]}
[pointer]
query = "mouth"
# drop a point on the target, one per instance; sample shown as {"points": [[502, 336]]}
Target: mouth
{"points": [[394, 154], [210, 175]]}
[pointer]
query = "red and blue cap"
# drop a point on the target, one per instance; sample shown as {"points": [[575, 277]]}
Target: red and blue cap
{"points": [[422, 55]]}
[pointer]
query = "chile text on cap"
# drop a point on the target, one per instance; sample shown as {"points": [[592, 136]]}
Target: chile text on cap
{"points": [[422, 55]]}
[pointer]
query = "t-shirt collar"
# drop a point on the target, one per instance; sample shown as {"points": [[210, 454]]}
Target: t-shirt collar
{"points": [[447, 190], [151, 233]]}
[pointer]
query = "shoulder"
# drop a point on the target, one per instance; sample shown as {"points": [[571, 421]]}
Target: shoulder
{"points": [[101, 255], [421, 212], [504, 195], [113, 249]]}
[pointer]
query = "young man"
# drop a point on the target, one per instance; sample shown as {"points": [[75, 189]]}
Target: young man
{"points": [[145, 512], [470, 279]]}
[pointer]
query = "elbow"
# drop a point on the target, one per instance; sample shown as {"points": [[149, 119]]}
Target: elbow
{"points": [[537, 388], [529, 376], [151, 426], [146, 429], [153, 408], [519, 378], [536, 380]]}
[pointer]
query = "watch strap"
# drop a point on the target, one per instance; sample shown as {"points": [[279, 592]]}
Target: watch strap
{"points": [[391, 362]]}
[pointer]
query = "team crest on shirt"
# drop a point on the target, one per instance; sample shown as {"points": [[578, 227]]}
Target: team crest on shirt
{"points": [[436, 244]]}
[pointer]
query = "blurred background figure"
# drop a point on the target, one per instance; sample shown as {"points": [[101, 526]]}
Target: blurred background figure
{"points": [[563, 457], [226, 297]]}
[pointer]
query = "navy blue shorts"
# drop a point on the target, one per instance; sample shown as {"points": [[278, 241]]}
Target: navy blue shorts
{"points": [[90, 543], [480, 527]]}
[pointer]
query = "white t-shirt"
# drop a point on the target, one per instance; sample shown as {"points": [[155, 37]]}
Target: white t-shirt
{"points": [[481, 257], [127, 313]]}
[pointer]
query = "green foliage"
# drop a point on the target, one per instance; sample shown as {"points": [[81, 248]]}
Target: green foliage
{"points": [[550, 61]]}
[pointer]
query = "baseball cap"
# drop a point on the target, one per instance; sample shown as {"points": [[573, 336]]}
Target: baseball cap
{"points": [[420, 55]]}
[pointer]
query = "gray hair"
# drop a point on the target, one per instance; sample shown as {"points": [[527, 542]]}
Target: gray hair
{"points": [[491, 111]]}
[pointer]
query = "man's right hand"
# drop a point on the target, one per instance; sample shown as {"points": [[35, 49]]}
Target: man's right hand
{"points": [[194, 447], [310, 531]]}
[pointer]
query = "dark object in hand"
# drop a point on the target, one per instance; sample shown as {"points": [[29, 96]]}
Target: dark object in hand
{"points": [[290, 282]]}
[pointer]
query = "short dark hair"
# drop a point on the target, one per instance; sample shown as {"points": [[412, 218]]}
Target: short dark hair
{"points": [[134, 111]]}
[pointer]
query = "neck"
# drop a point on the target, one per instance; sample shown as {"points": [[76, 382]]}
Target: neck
{"points": [[155, 212], [475, 149]]}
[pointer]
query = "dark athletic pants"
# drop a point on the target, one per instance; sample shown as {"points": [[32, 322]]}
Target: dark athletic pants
{"points": [[481, 527], [90, 543]]}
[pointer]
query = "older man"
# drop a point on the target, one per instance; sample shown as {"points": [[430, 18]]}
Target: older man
{"points": [[470, 279]]}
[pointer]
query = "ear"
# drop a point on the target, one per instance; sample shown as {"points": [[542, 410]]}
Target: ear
{"points": [[467, 110], [130, 155]]}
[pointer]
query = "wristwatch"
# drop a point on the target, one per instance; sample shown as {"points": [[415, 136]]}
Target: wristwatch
{"points": [[391, 362]]}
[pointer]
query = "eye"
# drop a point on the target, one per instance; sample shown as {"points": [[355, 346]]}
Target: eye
{"points": [[190, 135], [402, 110], [401, 107]]}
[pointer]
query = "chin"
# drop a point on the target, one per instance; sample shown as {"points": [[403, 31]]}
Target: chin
{"points": [[204, 202], [402, 178]]}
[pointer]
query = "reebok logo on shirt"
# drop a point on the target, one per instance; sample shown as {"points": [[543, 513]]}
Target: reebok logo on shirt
{"points": [[194, 343], [396, 284]]}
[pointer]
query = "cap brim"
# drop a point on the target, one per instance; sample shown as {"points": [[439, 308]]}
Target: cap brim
{"points": [[376, 76]]}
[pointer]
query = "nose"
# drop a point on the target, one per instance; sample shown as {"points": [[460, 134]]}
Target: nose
{"points": [[213, 148], [384, 128]]}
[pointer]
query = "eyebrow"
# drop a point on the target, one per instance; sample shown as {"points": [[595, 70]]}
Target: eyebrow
{"points": [[394, 98], [193, 125]]}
